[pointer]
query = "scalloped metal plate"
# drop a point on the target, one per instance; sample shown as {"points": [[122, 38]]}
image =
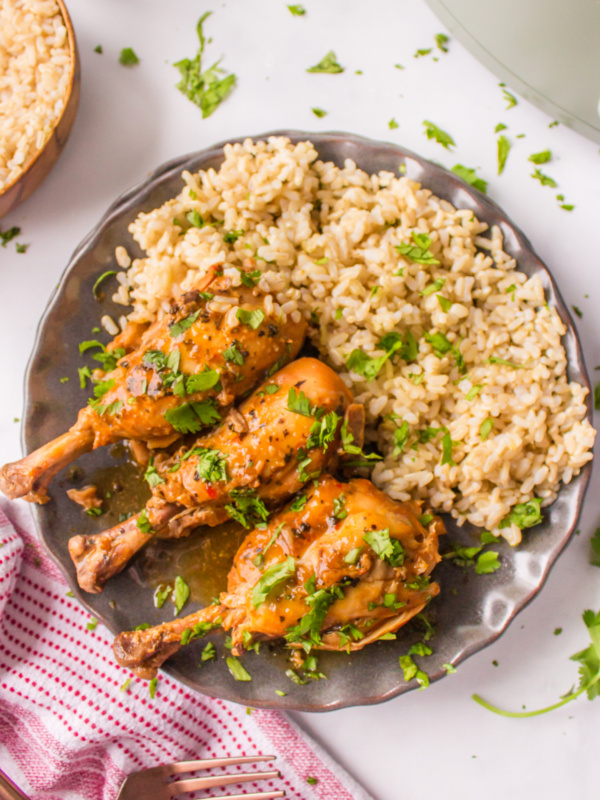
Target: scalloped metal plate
{"points": [[472, 610]]}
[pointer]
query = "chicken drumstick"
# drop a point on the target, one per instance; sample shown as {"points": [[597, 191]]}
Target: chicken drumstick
{"points": [[337, 569], [284, 434], [215, 344]]}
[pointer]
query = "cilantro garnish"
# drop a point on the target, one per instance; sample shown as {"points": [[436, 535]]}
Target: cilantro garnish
{"points": [[503, 150], [487, 563], [308, 628], [392, 124], [206, 89], [400, 437], [181, 593], [597, 396], [100, 279], [161, 594], [128, 58], [339, 507], [152, 687], [423, 51], [234, 354], [237, 669], [362, 364], [473, 392], [9, 234], [211, 465], [524, 515], [202, 381], [387, 548], [349, 447], [199, 630], [194, 218], [299, 403], [447, 444], [191, 417], [298, 503], [259, 559], [545, 180], [503, 362], [246, 507], [411, 670], [433, 287], [327, 64], [511, 100], [251, 318], [353, 555], [92, 624], [319, 112], [297, 11], [433, 132], [500, 127], [442, 346], [249, 279], [272, 578], [418, 251], [98, 49], [151, 475], [209, 653], [232, 236], [179, 327], [441, 41], [470, 176], [143, 523], [589, 673], [540, 158]]}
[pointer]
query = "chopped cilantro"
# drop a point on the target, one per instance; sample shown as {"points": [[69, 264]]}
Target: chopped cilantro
{"points": [[323, 431], [98, 49], [128, 58], [246, 507], [297, 11], [504, 363], [312, 780], [232, 236], [418, 251], [500, 127], [181, 593], [433, 287], [441, 41], [473, 392], [597, 397], [442, 346], [423, 51], [595, 543], [22, 248], [309, 628], [577, 311], [152, 686], [234, 354], [209, 653], [445, 303], [194, 218], [392, 124], [524, 515], [339, 507], [450, 670], [545, 180], [192, 417], [272, 578], [100, 279], [487, 563], [9, 234], [353, 555], [299, 403], [161, 594], [503, 150], [511, 100], [387, 548], [319, 112], [447, 444], [202, 381], [143, 523], [400, 438], [206, 89], [210, 466], [125, 686], [151, 475], [327, 64], [411, 670], [179, 327], [251, 318], [298, 503], [470, 176], [433, 132], [92, 624], [540, 158]]}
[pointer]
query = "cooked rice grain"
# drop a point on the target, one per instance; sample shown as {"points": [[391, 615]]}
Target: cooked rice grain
{"points": [[324, 237]]}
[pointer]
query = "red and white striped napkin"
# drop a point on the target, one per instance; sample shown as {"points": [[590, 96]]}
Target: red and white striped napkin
{"points": [[67, 732]]}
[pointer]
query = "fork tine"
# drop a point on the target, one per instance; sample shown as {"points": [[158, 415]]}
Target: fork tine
{"points": [[179, 787], [208, 763]]}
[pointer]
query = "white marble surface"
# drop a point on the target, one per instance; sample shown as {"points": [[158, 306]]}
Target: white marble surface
{"points": [[435, 743]]}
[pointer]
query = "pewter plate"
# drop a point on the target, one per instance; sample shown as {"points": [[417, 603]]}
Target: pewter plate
{"points": [[472, 610]]}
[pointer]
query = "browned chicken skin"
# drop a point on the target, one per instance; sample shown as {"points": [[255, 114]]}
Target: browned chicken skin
{"points": [[348, 567], [284, 434], [183, 368]]}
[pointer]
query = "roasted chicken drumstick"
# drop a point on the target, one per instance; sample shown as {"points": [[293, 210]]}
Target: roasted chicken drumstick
{"points": [[341, 566], [216, 343], [285, 433]]}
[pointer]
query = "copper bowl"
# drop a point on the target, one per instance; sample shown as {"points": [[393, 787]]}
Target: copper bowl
{"points": [[39, 165]]}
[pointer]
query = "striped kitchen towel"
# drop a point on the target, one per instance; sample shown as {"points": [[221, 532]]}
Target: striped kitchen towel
{"points": [[68, 732]]}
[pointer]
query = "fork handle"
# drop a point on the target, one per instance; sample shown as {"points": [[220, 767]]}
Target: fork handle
{"points": [[8, 790]]}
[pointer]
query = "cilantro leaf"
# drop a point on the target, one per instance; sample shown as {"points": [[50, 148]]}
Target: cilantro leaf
{"points": [[487, 563], [387, 548], [194, 218], [540, 158], [128, 58], [319, 112], [545, 180], [595, 542], [297, 11], [392, 124], [323, 431], [191, 417], [202, 381], [433, 132], [511, 100], [503, 362], [232, 236], [246, 507], [524, 515], [400, 438], [179, 327], [298, 503], [9, 234], [249, 279], [151, 475], [206, 89], [234, 354], [328, 64], [210, 466], [500, 127], [353, 555], [237, 669], [272, 578], [181, 593], [470, 176], [100, 279], [309, 627], [441, 346], [485, 428], [503, 150], [441, 41], [299, 403], [143, 523], [418, 251], [251, 318], [433, 287]]}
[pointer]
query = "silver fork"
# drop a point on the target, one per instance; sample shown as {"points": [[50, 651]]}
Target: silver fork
{"points": [[153, 784]]}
